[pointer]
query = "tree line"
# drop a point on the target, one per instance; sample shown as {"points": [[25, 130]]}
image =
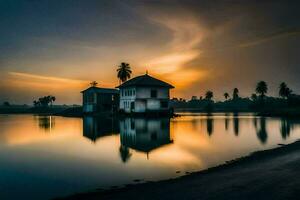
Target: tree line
{"points": [[260, 92], [44, 101]]}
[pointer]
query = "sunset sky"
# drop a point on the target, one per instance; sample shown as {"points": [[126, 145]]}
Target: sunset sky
{"points": [[58, 47]]}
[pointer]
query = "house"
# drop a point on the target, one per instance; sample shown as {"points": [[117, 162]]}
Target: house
{"points": [[144, 94], [96, 100]]}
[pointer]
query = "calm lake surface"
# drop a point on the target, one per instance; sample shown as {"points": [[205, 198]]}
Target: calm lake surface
{"points": [[42, 157]]}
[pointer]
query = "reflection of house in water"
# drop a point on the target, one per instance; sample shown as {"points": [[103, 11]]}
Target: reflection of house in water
{"points": [[145, 134], [96, 127]]}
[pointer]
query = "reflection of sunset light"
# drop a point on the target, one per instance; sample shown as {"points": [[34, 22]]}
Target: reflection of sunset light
{"points": [[27, 133]]}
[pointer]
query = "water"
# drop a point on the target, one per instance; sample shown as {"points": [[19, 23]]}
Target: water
{"points": [[46, 157]]}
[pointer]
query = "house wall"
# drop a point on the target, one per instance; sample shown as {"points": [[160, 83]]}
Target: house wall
{"points": [[98, 102], [141, 97], [145, 92], [89, 106]]}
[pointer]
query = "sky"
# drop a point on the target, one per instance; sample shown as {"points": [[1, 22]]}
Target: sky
{"points": [[59, 47]]}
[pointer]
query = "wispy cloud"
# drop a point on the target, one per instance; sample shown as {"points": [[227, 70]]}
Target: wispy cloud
{"points": [[266, 38], [46, 78], [186, 34]]}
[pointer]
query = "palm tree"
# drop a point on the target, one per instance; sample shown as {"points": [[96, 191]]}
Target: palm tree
{"points": [[284, 91], [36, 103], [93, 83], [209, 95], [226, 95], [235, 93], [124, 72], [261, 88], [254, 97], [52, 99]]}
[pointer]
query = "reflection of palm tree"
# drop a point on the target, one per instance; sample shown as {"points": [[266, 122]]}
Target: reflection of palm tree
{"points": [[124, 153], [236, 123], [226, 121], [255, 122], [209, 125], [285, 128], [262, 133]]}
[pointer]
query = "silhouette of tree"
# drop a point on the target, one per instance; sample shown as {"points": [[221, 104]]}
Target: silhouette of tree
{"points": [[44, 101], [52, 99], [124, 153], [284, 91], [6, 103], [254, 97], [261, 88], [209, 95], [93, 83], [124, 72], [36, 103], [226, 95], [235, 93]]}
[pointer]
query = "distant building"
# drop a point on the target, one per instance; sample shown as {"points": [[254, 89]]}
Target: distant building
{"points": [[144, 94], [96, 100]]}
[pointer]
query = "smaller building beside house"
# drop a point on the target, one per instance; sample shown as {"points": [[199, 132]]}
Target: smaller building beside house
{"points": [[98, 100], [144, 94]]}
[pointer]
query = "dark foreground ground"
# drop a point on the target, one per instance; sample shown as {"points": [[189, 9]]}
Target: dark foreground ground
{"points": [[270, 174]]}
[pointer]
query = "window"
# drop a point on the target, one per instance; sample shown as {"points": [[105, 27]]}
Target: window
{"points": [[133, 92], [153, 93]]}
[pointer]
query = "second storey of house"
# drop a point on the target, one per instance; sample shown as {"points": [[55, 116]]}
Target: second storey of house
{"points": [[139, 92]]}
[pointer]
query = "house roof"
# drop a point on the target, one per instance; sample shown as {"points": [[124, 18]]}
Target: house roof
{"points": [[145, 80], [101, 90]]}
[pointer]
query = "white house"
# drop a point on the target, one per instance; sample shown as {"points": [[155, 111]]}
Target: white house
{"points": [[144, 94]]}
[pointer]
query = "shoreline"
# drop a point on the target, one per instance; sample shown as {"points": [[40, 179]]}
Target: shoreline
{"points": [[254, 176]]}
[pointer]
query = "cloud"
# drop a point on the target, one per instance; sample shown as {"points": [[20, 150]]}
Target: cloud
{"points": [[46, 78], [269, 37], [186, 34]]}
